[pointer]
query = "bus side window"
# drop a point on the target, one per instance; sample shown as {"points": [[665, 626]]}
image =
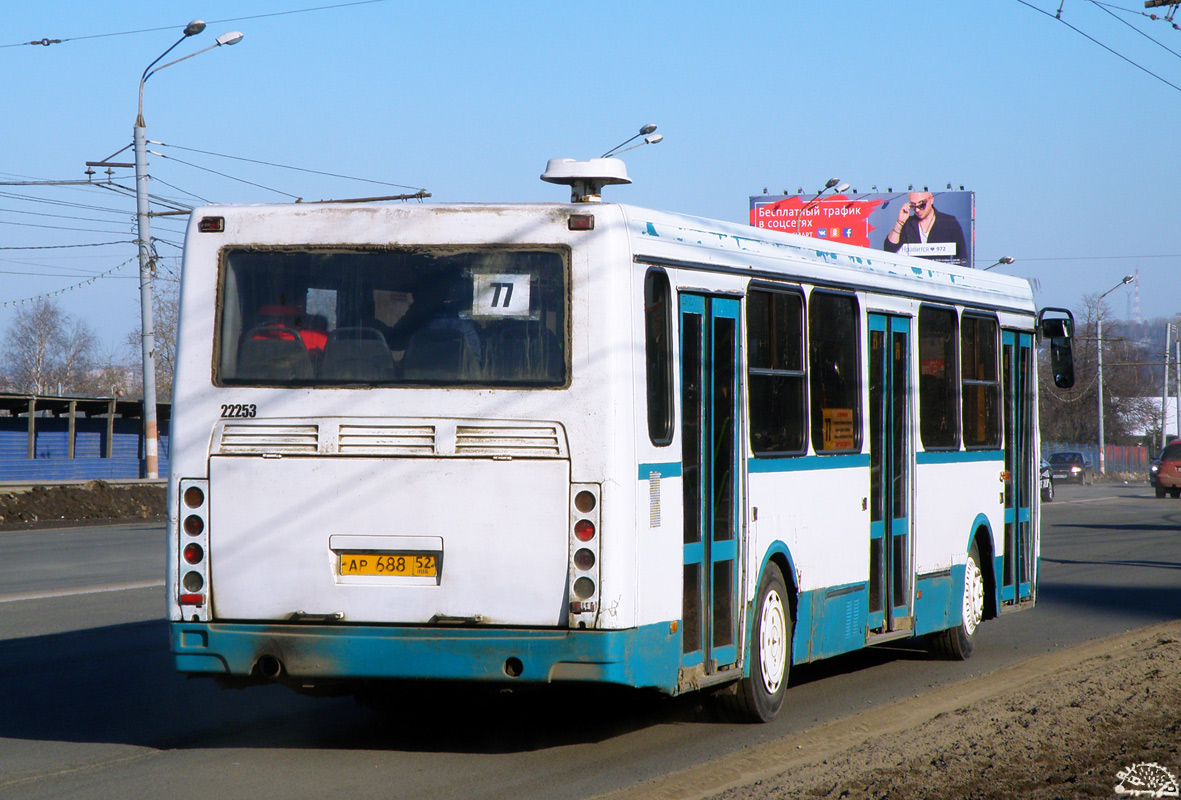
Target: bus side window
{"points": [[775, 347], [938, 378], [658, 356], [833, 371], [981, 382]]}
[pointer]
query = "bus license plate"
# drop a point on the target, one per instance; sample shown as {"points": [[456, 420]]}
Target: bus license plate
{"points": [[411, 565]]}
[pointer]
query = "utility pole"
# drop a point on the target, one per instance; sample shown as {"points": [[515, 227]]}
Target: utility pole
{"points": [[146, 266], [1164, 395], [1099, 341]]}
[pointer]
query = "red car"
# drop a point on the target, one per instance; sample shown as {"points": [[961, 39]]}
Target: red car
{"points": [[1168, 474]]}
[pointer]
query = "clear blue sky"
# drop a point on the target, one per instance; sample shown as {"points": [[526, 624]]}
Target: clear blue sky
{"points": [[1070, 149]]}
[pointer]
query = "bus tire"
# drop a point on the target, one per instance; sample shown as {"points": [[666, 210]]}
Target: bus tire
{"points": [[759, 695], [957, 644]]}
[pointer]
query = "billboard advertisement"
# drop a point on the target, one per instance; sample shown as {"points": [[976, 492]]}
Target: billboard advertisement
{"points": [[934, 225]]}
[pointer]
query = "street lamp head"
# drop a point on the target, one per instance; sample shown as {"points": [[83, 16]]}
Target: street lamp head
{"points": [[233, 37], [194, 27], [1129, 278]]}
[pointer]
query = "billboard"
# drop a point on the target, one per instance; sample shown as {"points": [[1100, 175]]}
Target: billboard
{"points": [[936, 225]]}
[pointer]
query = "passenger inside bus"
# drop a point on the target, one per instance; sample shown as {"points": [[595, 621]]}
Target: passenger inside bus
{"points": [[441, 343], [312, 329]]}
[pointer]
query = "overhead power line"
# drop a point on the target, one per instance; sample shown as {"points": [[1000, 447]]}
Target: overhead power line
{"points": [[45, 42], [224, 175], [65, 246], [109, 273], [1092, 39], [287, 166]]}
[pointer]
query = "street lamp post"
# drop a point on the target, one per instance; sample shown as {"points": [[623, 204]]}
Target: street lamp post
{"points": [[1099, 372], [152, 468]]}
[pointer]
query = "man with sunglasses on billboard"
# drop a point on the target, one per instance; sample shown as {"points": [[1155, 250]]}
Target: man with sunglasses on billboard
{"points": [[926, 233]]}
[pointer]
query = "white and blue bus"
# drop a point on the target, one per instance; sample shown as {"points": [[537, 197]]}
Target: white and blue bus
{"points": [[537, 443]]}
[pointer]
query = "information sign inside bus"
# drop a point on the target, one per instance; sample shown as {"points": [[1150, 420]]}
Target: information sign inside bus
{"points": [[411, 565]]}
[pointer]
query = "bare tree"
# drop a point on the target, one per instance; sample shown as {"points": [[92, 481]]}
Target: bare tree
{"points": [[33, 344], [110, 376], [76, 358], [165, 314], [1073, 415]]}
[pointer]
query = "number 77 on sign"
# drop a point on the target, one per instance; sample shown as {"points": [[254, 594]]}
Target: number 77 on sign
{"points": [[500, 295]]}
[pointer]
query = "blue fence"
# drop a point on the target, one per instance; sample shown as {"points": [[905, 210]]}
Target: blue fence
{"points": [[1118, 458], [105, 446]]}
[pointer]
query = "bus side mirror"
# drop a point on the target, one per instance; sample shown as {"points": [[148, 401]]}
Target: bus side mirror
{"points": [[1059, 331]]}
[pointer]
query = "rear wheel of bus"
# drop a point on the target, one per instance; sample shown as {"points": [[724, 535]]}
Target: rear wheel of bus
{"points": [[759, 696], [957, 644]]}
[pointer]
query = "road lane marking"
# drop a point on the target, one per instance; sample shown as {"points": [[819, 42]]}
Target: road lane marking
{"points": [[112, 587]]}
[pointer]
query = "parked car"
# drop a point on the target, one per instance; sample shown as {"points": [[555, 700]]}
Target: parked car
{"points": [[1071, 466], [1167, 476], [1046, 479]]}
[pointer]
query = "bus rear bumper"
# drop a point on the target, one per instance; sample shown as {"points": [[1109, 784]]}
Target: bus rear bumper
{"points": [[648, 656]]}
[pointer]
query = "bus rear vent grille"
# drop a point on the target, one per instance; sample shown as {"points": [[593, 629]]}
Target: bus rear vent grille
{"points": [[387, 440], [256, 438], [538, 441]]}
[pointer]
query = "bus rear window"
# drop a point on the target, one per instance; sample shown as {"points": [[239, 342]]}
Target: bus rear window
{"points": [[331, 317]]}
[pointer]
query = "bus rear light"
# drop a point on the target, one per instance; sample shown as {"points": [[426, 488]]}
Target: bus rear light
{"points": [[585, 502], [585, 554], [211, 224], [584, 558], [194, 497], [189, 546], [193, 553]]}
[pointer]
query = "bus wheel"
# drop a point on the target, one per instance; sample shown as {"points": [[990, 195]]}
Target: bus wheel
{"points": [[956, 644], [759, 696]]}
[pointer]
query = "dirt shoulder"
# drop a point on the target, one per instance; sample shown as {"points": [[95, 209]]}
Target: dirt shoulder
{"points": [[1062, 725], [80, 502]]}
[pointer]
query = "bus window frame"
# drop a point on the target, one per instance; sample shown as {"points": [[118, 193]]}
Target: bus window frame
{"points": [[805, 420], [221, 305], [998, 398], [956, 403], [859, 362], [652, 361]]}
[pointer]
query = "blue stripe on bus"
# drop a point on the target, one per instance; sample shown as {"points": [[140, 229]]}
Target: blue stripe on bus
{"points": [[665, 469], [808, 463], [647, 656], [958, 456], [672, 469]]}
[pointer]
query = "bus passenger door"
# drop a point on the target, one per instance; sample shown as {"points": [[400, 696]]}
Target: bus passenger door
{"points": [[711, 470], [1017, 376], [890, 570]]}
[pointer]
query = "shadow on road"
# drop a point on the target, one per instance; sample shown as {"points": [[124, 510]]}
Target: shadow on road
{"points": [[117, 685]]}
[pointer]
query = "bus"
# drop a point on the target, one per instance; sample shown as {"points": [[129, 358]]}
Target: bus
{"points": [[525, 444]]}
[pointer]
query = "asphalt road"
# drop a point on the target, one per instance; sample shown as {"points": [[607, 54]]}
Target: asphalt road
{"points": [[91, 708]]}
